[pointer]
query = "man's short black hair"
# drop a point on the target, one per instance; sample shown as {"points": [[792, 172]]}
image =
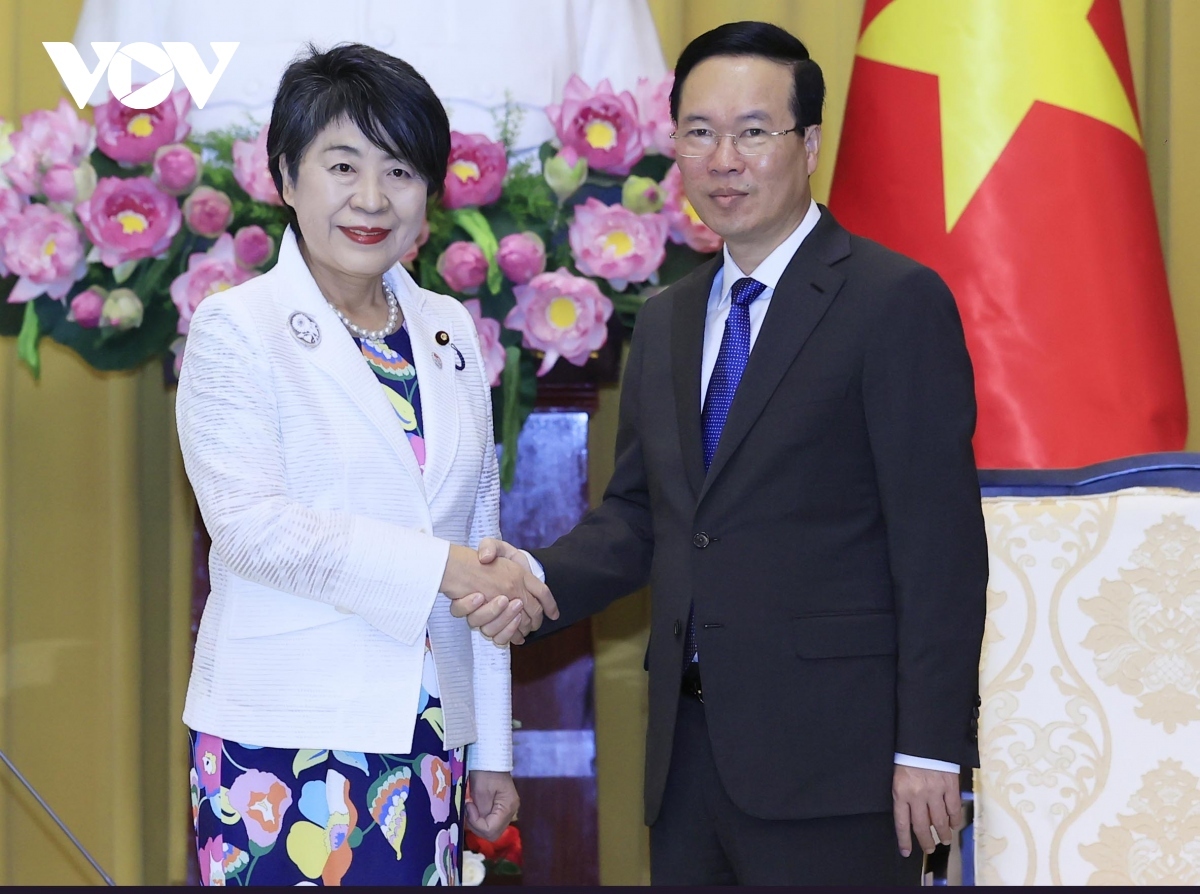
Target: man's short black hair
{"points": [[758, 39], [383, 96]]}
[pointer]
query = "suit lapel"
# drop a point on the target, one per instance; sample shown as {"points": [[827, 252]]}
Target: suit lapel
{"points": [[337, 354], [438, 383], [689, 310], [805, 291]]}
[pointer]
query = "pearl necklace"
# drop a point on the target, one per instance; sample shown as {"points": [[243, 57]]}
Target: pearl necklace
{"points": [[393, 304]]}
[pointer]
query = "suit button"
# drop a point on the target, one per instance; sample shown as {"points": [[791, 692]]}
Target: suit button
{"points": [[678, 627], [701, 540]]}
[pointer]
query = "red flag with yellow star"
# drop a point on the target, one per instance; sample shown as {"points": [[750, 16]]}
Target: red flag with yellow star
{"points": [[998, 142]]}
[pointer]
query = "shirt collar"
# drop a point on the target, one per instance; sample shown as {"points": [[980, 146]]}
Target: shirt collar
{"points": [[773, 265]]}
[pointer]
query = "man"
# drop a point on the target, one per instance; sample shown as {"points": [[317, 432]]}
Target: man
{"points": [[794, 476]]}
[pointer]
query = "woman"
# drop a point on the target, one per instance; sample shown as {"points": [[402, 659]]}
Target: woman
{"points": [[336, 427]]}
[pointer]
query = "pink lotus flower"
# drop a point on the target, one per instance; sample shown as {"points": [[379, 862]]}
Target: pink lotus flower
{"points": [[47, 138], [64, 185], [86, 307], [411, 255], [12, 204], [562, 315], [476, 170], [129, 219], [177, 169], [208, 273], [207, 212], [600, 125], [252, 247], [58, 184], [654, 114], [46, 252], [686, 227], [134, 135], [463, 266], [612, 242], [251, 171], [494, 357], [522, 256]]}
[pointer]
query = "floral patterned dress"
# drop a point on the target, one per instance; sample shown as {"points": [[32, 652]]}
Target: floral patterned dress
{"points": [[307, 816]]}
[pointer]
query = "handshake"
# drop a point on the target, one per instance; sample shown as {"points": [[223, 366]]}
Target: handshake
{"points": [[496, 591]]}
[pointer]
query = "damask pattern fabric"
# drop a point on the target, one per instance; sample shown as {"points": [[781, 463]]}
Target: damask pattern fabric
{"points": [[287, 816], [1090, 684]]}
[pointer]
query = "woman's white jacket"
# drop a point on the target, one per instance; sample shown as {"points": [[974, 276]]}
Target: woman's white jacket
{"points": [[328, 542]]}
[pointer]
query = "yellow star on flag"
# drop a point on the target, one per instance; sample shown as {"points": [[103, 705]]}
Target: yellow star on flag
{"points": [[993, 60]]}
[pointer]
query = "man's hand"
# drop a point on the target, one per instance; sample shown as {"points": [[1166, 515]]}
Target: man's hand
{"points": [[501, 619], [502, 591], [924, 798], [493, 803]]}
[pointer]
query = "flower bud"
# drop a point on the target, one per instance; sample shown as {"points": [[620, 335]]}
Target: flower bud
{"points": [[565, 173], [122, 310], [642, 195]]}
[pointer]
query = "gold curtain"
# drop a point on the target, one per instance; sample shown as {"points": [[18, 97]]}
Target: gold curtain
{"points": [[95, 516]]}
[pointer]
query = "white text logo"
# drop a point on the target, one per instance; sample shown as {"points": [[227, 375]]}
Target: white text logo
{"points": [[164, 61]]}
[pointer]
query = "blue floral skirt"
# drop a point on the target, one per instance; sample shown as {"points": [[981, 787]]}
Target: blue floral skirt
{"points": [[287, 816]]}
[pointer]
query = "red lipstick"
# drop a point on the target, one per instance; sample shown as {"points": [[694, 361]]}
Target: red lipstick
{"points": [[365, 235]]}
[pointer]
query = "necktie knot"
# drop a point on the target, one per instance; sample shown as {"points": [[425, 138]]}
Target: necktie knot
{"points": [[746, 290]]}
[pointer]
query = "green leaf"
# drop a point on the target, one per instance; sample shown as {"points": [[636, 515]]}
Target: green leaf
{"points": [[480, 231], [122, 272], [628, 302], [510, 384], [27, 340], [430, 874], [355, 838], [108, 349], [308, 757], [653, 166], [257, 850]]}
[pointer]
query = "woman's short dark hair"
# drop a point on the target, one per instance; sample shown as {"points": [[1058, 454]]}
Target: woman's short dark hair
{"points": [[383, 96], [769, 42]]}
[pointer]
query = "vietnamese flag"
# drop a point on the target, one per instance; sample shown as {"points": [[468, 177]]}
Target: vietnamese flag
{"points": [[997, 141]]}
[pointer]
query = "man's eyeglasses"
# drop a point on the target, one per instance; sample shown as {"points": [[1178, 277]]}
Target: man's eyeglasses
{"points": [[700, 142]]}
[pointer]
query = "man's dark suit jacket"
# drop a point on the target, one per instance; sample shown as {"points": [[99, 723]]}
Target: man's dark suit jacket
{"points": [[835, 549]]}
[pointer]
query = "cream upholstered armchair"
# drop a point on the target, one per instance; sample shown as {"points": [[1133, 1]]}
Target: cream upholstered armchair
{"points": [[1089, 730]]}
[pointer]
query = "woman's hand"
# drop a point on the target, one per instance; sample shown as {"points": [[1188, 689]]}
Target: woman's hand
{"points": [[500, 584], [503, 621], [492, 804]]}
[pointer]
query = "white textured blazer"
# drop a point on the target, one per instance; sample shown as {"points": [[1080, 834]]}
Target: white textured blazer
{"points": [[328, 542]]}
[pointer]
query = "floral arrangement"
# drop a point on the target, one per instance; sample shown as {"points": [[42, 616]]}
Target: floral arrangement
{"points": [[493, 862], [112, 232]]}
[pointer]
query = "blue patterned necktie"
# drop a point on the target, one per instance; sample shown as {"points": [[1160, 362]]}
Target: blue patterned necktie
{"points": [[722, 386]]}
